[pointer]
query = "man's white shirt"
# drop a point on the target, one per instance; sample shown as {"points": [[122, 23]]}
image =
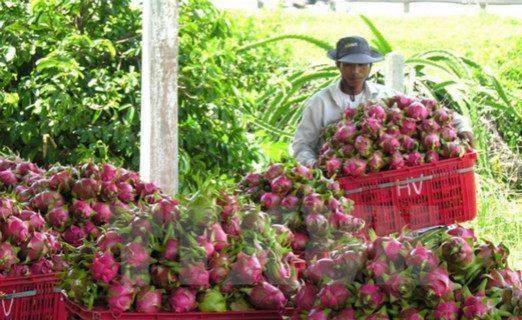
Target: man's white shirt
{"points": [[327, 106]]}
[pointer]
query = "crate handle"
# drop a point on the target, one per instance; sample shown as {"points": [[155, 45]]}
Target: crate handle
{"points": [[11, 297]]}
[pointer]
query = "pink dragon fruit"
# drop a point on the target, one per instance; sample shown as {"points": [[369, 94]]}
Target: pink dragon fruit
{"points": [[270, 200], [35, 221], [394, 116], [377, 268], [281, 185], [45, 200], [376, 161], [246, 270], [8, 178], [446, 310], [417, 110], [376, 111], [299, 241], [411, 314], [322, 269], [475, 307], [390, 144], [183, 300], [363, 145], [430, 126], [229, 205], [90, 230], [316, 225], [414, 159], [437, 283], [313, 203], [108, 190], [126, 192], [195, 276], [8, 256], [402, 101], [371, 295], [135, 254], [108, 172], [52, 242], [273, 171], [429, 103], [81, 209], [457, 252], [345, 133], [102, 213], [17, 229], [86, 188], [266, 296], [397, 161], [252, 179], [42, 266], [398, 285], [37, 246], [61, 181], [388, 247], [334, 295], [317, 314], [141, 227], [290, 202], [104, 267], [232, 226], [6, 208], [431, 156], [407, 142], [148, 300], [20, 270], [163, 277], [442, 116], [206, 244], [333, 165], [57, 217], [393, 131], [371, 126], [408, 126], [465, 233], [504, 278], [350, 113], [422, 258], [431, 141], [448, 133], [109, 240], [305, 297], [354, 167], [165, 211], [120, 296], [452, 150], [347, 150], [303, 172], [171, 249], [218, 237]]}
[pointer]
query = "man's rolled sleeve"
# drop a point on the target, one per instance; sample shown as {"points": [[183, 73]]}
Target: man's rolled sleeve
{"points": [[308, 133]]}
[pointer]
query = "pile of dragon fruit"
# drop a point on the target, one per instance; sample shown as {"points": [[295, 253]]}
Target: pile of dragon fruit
{"points": [[194, 256], [387, 135], [312, 207], [443, 275]]}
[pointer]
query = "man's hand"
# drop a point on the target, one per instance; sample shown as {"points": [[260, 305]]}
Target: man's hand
{"points": [[468, 137]]}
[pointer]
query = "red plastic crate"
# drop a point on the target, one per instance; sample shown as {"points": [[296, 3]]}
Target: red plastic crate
{"points": [[31, 298], [77, 312], [432, 194]]}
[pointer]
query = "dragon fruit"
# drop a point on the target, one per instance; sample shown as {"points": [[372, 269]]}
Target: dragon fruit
{"points": [[305, 297], [252, 179], [422, 258], [376, 161], [182, 300], [345, 133], [61, 181], [266, 296], [57, 217], [363, 145], [452, 150], [90, 230], [465, 233], [316, 225], [165, 211], [417, 110], [290, 202], [42, 266], [135, 254], [399, 285], [81, 210], [218, 237], [299, 241], [408, 126], [17, 229], [334, 295], [475, 307], [8, 178], [430, 126], [394, 115], [86, 188], [120, 296], [163, 277], [148, 301], [281, 185], [35, 221], [37, 246], [375, 111], [371, 126], [126, 192], [109, 240], [397, 161], [431, 156], [457, 252], [229, 205], [371, 295], [377, 268], [414, 159], [246, 270], [102, 213], [411, 314], [322, 269], [407, 143], [194, 275], [390, 144], [270, 200], [504, 278], [431, 141], [171, 249], [302, 172], [333, 165], [6, 208], [317, 314], [104, 267], [446, 310], [448, 133], [354, 167], [437, 283], [313, 204], [45, 200], [388, 247], [273, 171], [8, 257]]}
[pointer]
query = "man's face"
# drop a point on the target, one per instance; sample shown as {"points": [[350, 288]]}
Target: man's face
{"points": [[354, 74]]}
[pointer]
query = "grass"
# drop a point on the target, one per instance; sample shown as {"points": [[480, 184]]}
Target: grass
{"points": [[491, 40]]}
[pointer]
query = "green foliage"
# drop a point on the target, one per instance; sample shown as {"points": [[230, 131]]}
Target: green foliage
{"points": [[70, 84]]}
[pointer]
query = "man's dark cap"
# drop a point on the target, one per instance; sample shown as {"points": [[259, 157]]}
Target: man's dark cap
{"points": [[354, 50]]}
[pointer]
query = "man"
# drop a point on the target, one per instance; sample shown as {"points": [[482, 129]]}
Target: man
{"points": [[354, 58]]}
